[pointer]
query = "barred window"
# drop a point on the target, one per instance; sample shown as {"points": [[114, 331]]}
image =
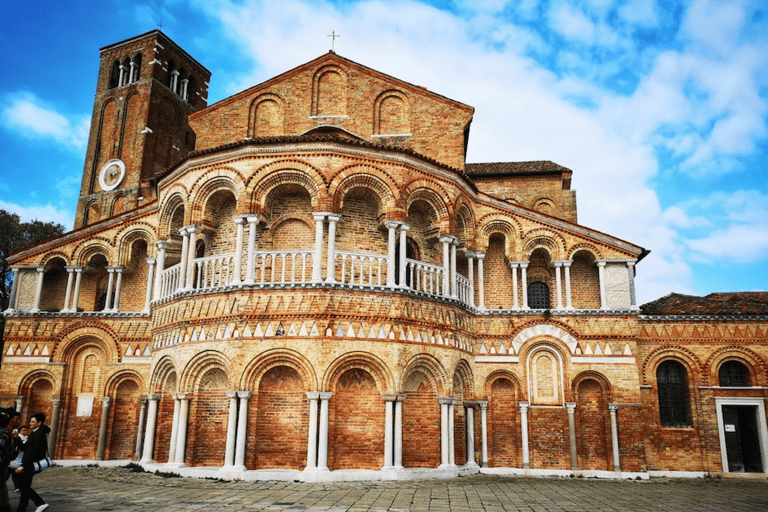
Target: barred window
{"points": [[734, 373], [673, 394], [538, 295]]}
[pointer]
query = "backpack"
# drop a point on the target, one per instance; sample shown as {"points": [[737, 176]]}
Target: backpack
{"points": [[8, 448]]}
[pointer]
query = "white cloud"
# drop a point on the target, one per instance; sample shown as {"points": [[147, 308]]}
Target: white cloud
{"points": [[29, 117], [571, 23], [639, 13], [41, 212]]}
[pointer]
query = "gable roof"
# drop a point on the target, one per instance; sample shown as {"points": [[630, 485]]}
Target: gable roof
{"points": [[714, 304]]}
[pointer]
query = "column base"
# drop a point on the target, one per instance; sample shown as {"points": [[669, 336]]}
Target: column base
{"points": [[175, 464]]}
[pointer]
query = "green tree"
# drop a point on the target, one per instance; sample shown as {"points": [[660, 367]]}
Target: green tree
{"points": [[15, 235]]}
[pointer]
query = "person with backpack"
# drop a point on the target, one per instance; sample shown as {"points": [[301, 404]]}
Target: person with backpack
{"points": [[8, 452]]}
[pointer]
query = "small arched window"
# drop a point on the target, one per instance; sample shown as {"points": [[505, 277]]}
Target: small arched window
{"points": [[538, 295], [734, 373], [672, 382]]}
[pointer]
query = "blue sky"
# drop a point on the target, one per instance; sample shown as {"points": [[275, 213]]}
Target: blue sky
{"points": [[659, 107]]}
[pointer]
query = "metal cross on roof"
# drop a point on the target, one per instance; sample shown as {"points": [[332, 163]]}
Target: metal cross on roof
{"points": [[333, 35]]}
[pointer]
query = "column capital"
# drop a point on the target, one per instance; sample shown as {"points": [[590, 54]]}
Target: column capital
{"points": [[483, 404], [480, 255], [557, 263], [469, 254], [56, 401], [183, 396], [524, 406], [154, 396], [514, 264], [392, 224], [389, 397], [325, 395], [565, 263], [401, 397], [194, 230], [252, 218], [151, 261], [524, 264], [470, 404], [115, 268], [571, 406], [105, 401], [613, 407], [163, 245], [183, 231], [447, 239], [444, 400], [333, 217], [244, 395], [319, 216], [231, 394], [313, 395], [239, 219], [404, 227], [73, 268], [143, 401], [601, 263]]}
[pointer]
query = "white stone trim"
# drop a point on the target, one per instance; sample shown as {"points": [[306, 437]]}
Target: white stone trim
{"points": [[762, 433]]}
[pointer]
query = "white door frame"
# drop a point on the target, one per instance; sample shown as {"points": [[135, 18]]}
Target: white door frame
{"points": [[762, 429]]}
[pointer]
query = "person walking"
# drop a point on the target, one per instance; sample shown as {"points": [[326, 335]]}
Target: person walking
{"points": [[35, 450], [7, 443]]}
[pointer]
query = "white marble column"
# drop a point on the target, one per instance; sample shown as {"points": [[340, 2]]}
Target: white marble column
{"points": [[558, 284], [313, 397], [182, 284], [122, 80], [118, 286], [484, 432], [19, 403], [389, 431], [470, 255], [613, 409], [567, 267], [453, 288], [14, 289], [193, 232], [150, 278], [398, 456], [242, 426], [238, 271], [252, 222], [229, 451], [68, 293], [391, 245], [444, 434], [102, 442], [54, 426], [322, 449], [140, 428], [174, 429], [451, 432], [571, 407], [161, 247], [481, 279], [515, 303], [403, 254], [181, 434], [524, 434], [470, 408], [149, 434], [446, 241], [524, 282], [601, 274], [78, 281], [110, 284], [333, 218], [317, 258], [38, 288]]}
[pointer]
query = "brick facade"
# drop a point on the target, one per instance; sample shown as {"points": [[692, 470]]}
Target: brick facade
{"points": [[307, 279]]}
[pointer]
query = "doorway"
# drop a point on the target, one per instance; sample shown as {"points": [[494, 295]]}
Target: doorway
{"points": [[741, 423]]}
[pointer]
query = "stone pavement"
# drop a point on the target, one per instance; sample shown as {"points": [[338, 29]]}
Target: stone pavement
{"points": [[101, 489]]}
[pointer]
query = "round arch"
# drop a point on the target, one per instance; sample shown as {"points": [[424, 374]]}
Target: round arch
{"points": [[359, 360], [260, 365]]}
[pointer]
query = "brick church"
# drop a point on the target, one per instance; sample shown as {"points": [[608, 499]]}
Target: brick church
{"points": [[307, 281]]}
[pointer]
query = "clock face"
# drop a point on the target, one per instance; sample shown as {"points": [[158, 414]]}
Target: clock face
{"points": [[112, 174]]}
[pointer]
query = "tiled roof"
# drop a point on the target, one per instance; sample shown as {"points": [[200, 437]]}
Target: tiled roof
{"points": [[509, 168], [714, 304]]}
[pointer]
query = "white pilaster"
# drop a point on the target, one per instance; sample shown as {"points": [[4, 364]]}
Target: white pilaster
{"points": [[567, 266], [14, 289], [513, 265], [454, 289], [102, 442], [333, 218], [193, 232], [78, 280], [181, 435], [558, 284], [601, 273], [470, 408], [524, 434], [182, 284], [174, 429], [161, 247], [398, 456], [313, 397], [484, 432], [470, 255], [571, 407], [140, 428], [149, 433], [242, 425], [481, 279], [446, 241], [403, 254], [68, 293], [38, 288], [524, 283], [388, 430], [444, 435], [118, 285], [110, 284], [613, 409]]}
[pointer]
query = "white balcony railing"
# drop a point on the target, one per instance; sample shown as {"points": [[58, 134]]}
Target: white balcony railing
{"points": [[291, 268]]}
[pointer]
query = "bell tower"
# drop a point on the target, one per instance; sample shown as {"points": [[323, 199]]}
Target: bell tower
{"points": [[147, 86]]}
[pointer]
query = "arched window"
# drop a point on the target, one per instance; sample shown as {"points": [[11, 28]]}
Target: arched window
{"points": [[673, 394], [538, 295], [734, 373]]}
